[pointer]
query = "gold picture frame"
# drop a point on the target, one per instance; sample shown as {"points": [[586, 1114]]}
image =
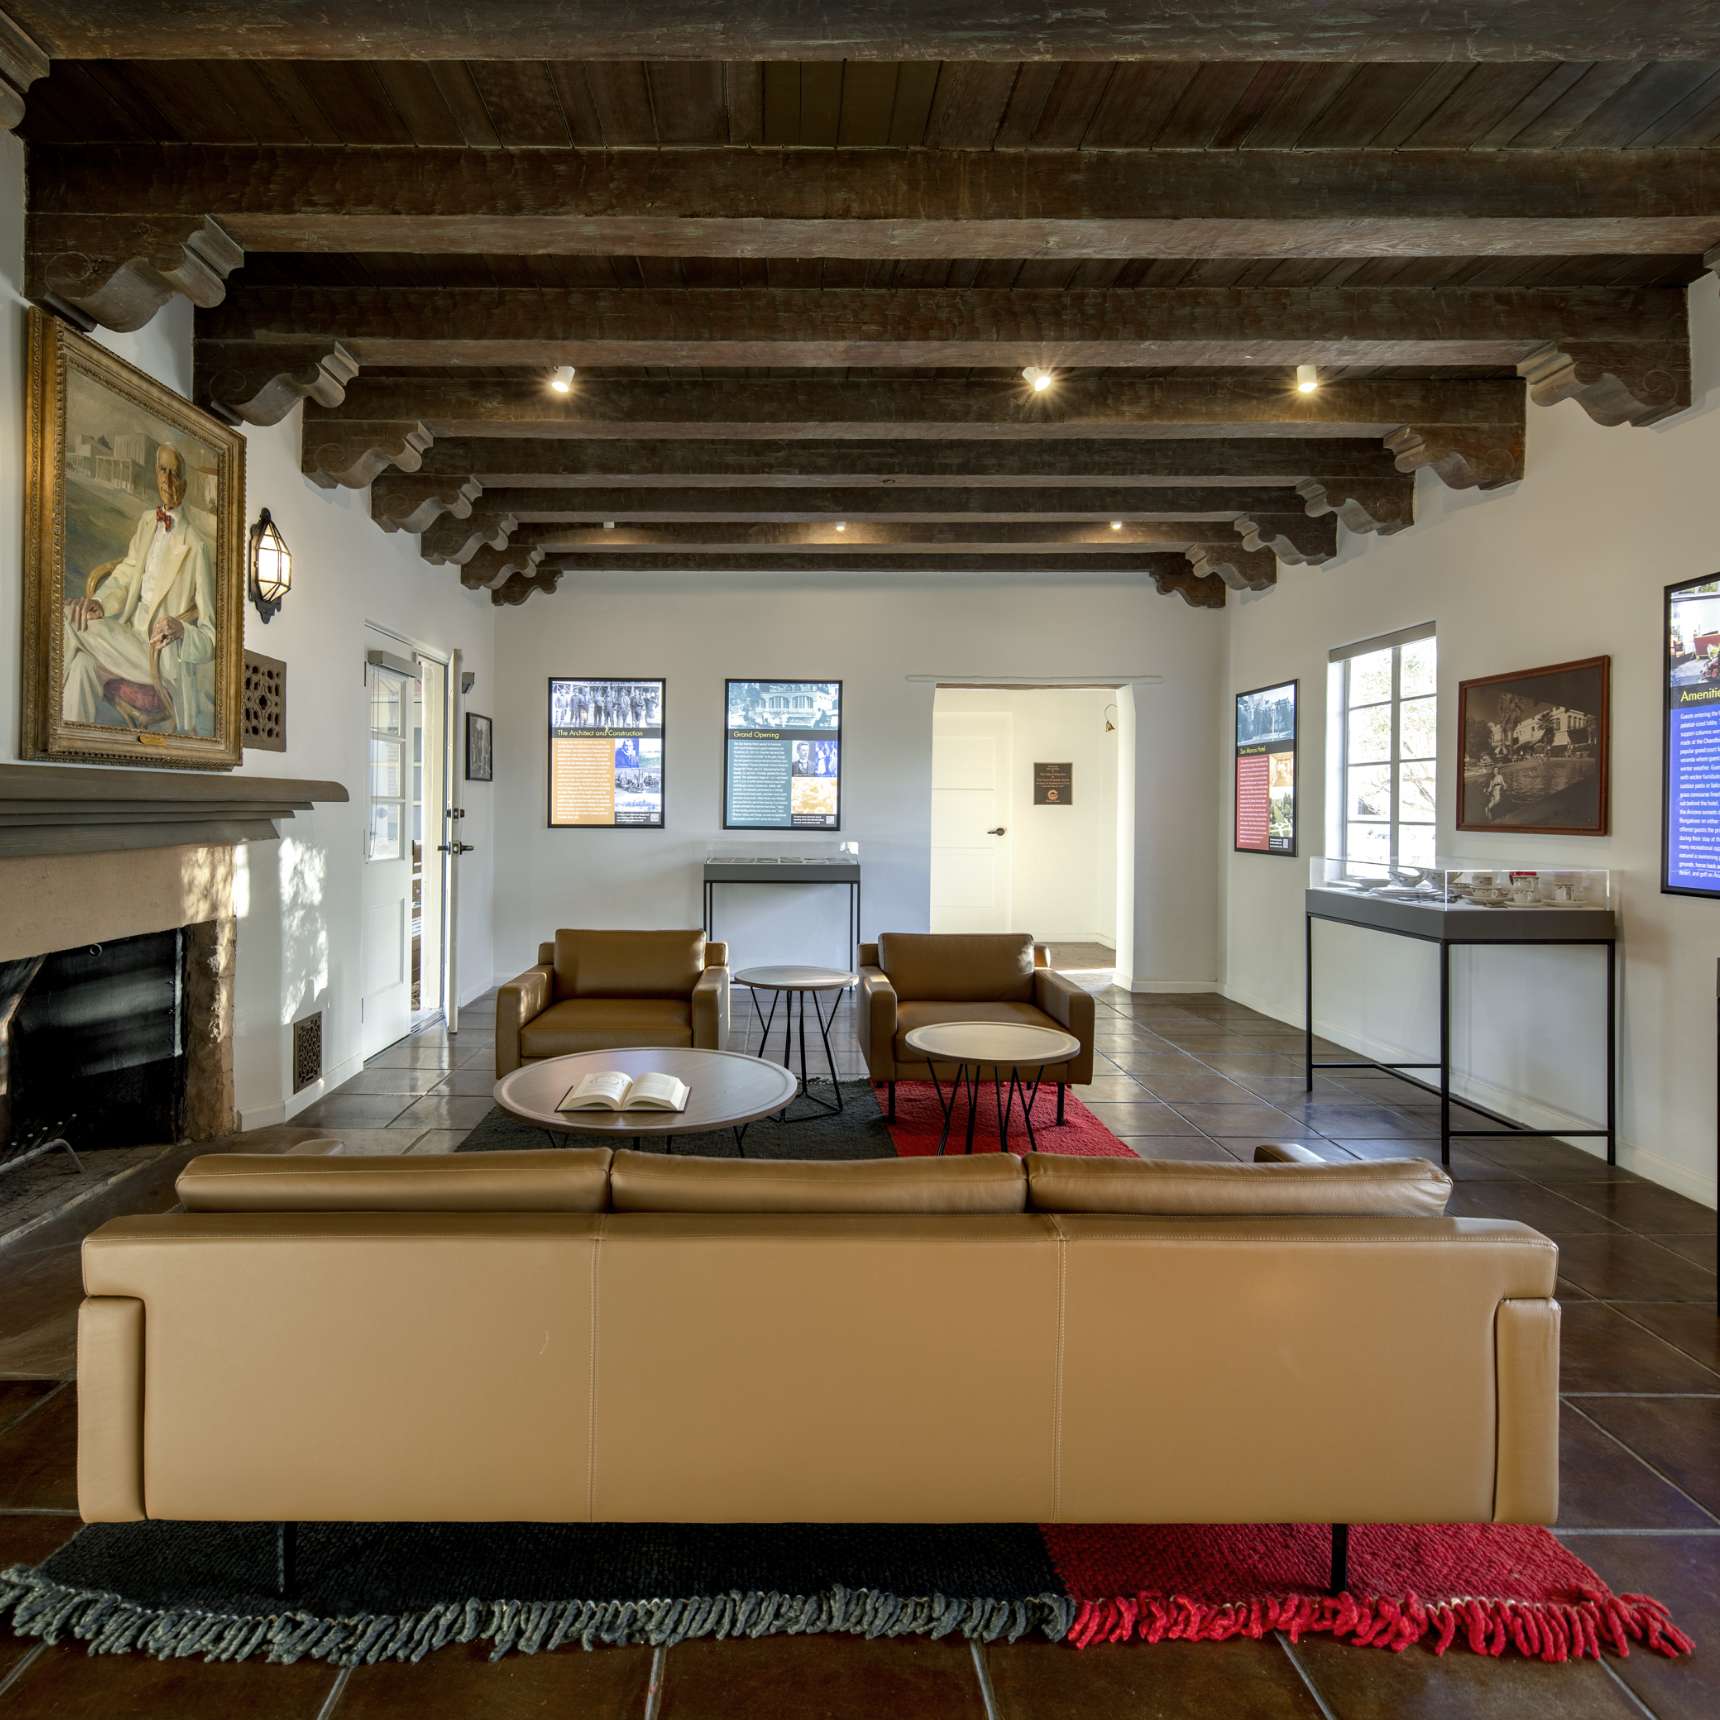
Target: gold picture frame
{"points": [[133, 531]]}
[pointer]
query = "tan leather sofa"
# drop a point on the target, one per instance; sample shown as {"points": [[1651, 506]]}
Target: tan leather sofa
{"points": [[594, 991], [652, 1339], [922, 979]]}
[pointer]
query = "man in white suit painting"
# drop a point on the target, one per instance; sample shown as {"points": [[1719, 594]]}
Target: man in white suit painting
{"points": [[142, 638]]}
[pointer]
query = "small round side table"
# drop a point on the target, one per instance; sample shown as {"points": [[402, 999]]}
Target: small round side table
{"points": [[997, 1045], [796, 984]]}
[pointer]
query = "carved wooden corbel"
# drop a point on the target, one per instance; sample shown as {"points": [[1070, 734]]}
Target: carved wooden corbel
{"points": [[451, 540], [1241, 569], [1479, 458], [489, 568], [1615, 382], [413, 502], [1301, 539], [255, 384], [519, 586], [119, 270], [1196, 592], [22, 61], [1362, 505], [338, 453]]}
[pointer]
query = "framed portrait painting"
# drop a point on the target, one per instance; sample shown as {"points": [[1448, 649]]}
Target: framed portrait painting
{"points": [[480, 757], [134, 572], [1534, 747]]}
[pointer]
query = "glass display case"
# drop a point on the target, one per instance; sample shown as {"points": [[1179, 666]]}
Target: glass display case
{"points": [[844, 853], [1451, 883]]}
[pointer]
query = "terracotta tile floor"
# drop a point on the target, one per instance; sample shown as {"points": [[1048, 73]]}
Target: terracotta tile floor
{"points": [[1196, 1077]]}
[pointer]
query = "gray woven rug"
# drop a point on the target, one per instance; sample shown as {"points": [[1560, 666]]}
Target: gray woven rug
{"points": [[858, 1131]]}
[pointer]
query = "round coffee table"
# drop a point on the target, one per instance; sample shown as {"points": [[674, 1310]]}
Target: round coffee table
{"points": [[726, 1090], [974, 1045], [795, 983]]}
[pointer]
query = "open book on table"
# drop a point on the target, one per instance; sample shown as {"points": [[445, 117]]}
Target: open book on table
{"points": [[610, 1090]]}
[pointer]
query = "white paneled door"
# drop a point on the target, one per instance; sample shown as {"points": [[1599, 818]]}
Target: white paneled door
{"points": [[971, 757], [386, 948]]}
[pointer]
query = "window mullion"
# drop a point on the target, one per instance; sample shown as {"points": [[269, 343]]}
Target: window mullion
{"points": [[1395, 836]]}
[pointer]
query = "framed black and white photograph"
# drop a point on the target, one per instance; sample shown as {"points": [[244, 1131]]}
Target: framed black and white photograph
{"points": [[480, 760], [1534, 749]]}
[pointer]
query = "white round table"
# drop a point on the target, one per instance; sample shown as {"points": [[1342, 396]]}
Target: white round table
{"points": [[726, 1090], [796, 983], [997, 1045]]}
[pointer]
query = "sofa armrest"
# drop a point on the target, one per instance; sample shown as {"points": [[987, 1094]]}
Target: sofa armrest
{"points": [[1526, 1354], [518, 1002], [546, 954], [716, 954], [711, 1009], [875, 1023], [110, 1410], [1286, 1153], [1073, 1010]]}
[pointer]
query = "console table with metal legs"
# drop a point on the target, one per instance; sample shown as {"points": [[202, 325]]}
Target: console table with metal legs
{"points": [[790, 987], [1467, 927]]}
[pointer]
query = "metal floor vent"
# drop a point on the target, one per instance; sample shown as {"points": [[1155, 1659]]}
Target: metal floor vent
{"points": [[307, 1051]]}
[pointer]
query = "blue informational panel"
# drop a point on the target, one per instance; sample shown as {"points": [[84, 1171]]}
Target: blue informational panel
{"points": [[1690, 835], [782, 755]]}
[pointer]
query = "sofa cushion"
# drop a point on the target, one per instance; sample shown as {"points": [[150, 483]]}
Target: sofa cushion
{"points": [[602, 1023], [1376, 1188], [628, 964], [546, 1181], [925, 1014], [959, 967], [976, 1183]]}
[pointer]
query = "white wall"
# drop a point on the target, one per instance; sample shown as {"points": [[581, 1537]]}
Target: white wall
{"points": [[1063, 859], [877, 637], [1569, 563], [299, 899]]}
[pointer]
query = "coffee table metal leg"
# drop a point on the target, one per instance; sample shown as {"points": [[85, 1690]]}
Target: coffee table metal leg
{"points": [[973, 1102], [1027, 1111], [949, 1110], [741, 1140], [824, 1027]]}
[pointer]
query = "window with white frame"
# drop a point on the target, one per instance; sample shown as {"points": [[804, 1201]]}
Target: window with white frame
{"points": [[1384, 693]]}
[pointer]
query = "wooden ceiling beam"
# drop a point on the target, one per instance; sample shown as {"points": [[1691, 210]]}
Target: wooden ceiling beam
{"points": [[22, 61], [1470, 433], [874, 203], [718, 564], [882, 30]]}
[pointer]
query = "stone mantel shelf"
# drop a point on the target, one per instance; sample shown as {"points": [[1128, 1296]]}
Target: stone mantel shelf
{"points": [[71, 809]]}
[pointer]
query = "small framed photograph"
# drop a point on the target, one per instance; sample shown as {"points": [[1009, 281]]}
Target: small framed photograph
{"points": [[480, 759], [1534, 747]]}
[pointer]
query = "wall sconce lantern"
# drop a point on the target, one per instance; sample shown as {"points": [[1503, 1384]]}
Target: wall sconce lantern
{"points": [[271, 566]]}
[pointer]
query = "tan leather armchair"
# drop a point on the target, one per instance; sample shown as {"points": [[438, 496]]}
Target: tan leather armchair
{"points": [[923, 979], [594, 991]]}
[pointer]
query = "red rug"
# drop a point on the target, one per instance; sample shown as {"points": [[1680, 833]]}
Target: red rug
{"points": [[1490, 1588], [920, 1120]]}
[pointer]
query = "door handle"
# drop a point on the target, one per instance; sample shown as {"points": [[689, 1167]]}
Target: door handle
{"points": [[997, 832], [456, 848]]}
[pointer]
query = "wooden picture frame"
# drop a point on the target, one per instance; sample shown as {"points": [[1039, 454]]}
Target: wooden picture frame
{"points": [[480, 748], [134, 632], [1533, 750]]}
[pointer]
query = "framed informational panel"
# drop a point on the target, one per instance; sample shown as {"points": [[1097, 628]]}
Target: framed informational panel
{"points": [[782, 755], [606, 754], [1690, 799], [1266, 770]]}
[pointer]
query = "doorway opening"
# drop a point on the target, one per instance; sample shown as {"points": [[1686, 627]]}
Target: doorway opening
{"points": [[1026, 789]]}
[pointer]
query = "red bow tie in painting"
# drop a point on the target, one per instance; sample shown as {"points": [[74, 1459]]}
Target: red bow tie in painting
{"points": [[165, 518]]}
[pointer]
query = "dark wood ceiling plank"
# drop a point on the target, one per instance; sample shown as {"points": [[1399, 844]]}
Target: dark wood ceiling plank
{"points": [[1033, 88], [1690, 121], [352, 99], [1297, 103], [1597, 86], [689, 102], [1358, 112], [1486, 95], [1436, 89], [584, 123], [199, 110], [621, 94], [72, 106], [521, 98], [743, 99], [916, 89], [820, 103], [875, 203], [418, 99], [1206, 106], [870, 564], [1636, 107], [1554, 86], [782, 104], [868, 100], [1136, 103], [969, 105], [455, 84], [884, 30]]}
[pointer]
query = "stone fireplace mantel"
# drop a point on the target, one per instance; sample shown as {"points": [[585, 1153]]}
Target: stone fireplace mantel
{"points": [[50, 809]]}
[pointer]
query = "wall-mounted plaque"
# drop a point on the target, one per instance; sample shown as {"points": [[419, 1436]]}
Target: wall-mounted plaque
{"points": [[1053, 784]]}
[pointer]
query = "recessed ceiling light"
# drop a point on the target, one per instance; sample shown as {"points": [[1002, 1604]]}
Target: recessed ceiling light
{"points": [[1116, 525], [1307, 379], [842, 525], [609, 525], [562, 381], [1037, 378]]}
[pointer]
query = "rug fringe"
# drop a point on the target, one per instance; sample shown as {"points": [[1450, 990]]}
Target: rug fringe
{"points": [[40, 1607], [1579, 1629]]}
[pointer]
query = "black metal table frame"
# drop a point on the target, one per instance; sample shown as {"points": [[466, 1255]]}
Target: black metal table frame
{"points": [[558, 1138], [852, 885], [1447, 1134], [825, 1023], [968, 1073]]}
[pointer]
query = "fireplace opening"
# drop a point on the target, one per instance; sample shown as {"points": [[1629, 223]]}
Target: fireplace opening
{"points": [[95, 1047]]}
